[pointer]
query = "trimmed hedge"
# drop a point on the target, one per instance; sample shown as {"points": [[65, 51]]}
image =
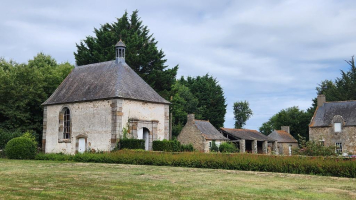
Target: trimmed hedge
{"points": [[131, 144], [227, 147], [20, 148], [170, 146], [250, 162]]}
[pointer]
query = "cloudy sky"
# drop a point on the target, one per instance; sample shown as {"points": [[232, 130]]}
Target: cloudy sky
{"points": [[271, 53]]}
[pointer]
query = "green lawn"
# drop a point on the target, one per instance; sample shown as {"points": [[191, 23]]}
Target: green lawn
{"points": [[69, 180]]}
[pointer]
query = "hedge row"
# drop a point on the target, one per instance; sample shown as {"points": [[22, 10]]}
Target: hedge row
{"points": [[250, 162], [171, 146], [131, 144]]}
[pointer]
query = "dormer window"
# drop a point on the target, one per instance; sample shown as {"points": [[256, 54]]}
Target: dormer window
{"points": [[337, 127]]}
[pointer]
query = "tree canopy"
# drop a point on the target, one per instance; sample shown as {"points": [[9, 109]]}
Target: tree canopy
{"points": [[142, 53], [242, 113], [211, 101], [24, 87], [297, 120]]}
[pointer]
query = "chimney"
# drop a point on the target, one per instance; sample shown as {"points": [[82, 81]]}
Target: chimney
{"points": [[321, 100], [285, 128], [191, 118]]}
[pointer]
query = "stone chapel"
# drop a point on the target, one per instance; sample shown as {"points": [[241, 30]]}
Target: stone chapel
{"points": [[94, 105]]}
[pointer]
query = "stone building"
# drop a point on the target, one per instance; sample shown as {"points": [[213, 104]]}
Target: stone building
{"points": [[96, 102], [250, 141], [286, 142], [334, 124], [200, 134]]}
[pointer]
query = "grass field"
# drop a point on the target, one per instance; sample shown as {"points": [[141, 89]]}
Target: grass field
{"points": [[69, 180]]}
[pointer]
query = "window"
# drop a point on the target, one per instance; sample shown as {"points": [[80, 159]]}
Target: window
{"points": [[338, 148], [66, 132], [209, 144], [322, 143], [337, 127]]}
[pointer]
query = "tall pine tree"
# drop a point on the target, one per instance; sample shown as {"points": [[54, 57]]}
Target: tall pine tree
{"points": [[141, 51]]}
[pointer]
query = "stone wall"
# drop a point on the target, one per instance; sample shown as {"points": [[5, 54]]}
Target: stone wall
{"points": [[347, 137], [283, 148], [191, 135], [88, 119]]}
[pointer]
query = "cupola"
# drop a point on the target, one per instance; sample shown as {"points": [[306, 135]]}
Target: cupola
{"points": [[120, 51]]}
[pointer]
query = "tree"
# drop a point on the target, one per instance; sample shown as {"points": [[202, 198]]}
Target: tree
{"points": [[242, 113], [24, 87], [141, 51], [211, 98], [183, 103], [297, 120]]}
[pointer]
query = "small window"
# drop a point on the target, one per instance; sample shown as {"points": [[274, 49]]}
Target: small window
{"points": [[338, 148], [322, 143], [209, 144], [119, 52], [337, 127]]}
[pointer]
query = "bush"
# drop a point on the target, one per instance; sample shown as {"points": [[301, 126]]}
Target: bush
{"points": [[213, 147], [250, 162], [186, 148], [227, 147], [311, 148], [131, 144], [6, 136], [20, 148]]}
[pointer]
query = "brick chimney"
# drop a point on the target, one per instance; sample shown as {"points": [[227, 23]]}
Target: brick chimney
{"points": [[285, 128], [191, 118], [321, 100]]}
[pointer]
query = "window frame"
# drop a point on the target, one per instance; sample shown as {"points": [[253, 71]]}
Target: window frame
{"points": [[337, 127]]}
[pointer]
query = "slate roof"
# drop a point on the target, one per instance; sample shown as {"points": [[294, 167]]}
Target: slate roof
{"points": [[282, 136], [324, 114], [246, 134], [208, 130], [105, 80]]}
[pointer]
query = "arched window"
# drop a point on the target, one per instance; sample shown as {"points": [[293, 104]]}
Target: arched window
{"points": [[66, 125]]}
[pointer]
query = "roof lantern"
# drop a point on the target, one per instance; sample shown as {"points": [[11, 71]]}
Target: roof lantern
{"points": [[120, 51]]}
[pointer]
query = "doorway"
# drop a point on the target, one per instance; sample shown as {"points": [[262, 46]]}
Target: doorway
{"points": [[146, 137]]}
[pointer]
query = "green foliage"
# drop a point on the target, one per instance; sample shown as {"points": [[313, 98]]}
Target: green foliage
{"points": [[24, 87], [214, 147], [297, 120], [249, 162], [311, 148], [211, 100], [242, 113], [142, 53], [183, 103], [20, 148], [32, 136], [186, 148], [126, 143], [6, 136], [227, 147], [170, 146]]}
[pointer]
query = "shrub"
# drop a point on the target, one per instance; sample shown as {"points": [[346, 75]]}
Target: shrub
{"points": [[131, 144], [213, 147], [166, 145], [20, 148], [6, 136], [186, 148], [227, 147], [311, 148]]}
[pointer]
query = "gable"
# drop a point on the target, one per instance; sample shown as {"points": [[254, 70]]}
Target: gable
{"points": [[105, 80]]}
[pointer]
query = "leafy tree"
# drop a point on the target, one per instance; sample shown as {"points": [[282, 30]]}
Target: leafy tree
{"points": [[211, 105], [242, 113], [24, 87], [141, 51], [297, 120], [183, 103]]}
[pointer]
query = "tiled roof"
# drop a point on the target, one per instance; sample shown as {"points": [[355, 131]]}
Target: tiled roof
{"points": [[105, 80], [282, 136], [246, 134], [324, 114], [208, 130]]}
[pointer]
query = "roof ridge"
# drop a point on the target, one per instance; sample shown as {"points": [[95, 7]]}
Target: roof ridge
{"points": [[89, 65], [340, 101]]}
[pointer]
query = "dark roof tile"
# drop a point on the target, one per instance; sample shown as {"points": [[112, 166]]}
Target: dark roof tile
{"points": [[282, 136], [208, 130], [246, 134]]}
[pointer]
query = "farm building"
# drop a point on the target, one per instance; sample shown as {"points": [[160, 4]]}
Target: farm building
{"points": [[96, 102], [200, 134], [334, 124], [250, 141], [286, 142]]}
